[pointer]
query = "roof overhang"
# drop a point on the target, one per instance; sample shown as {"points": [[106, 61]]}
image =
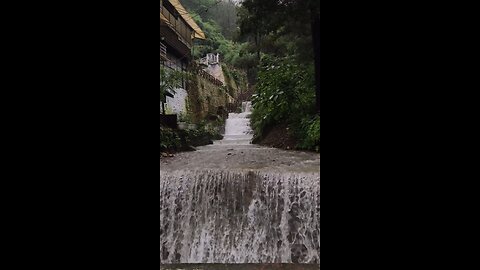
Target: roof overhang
{"points": [[197, 32]]}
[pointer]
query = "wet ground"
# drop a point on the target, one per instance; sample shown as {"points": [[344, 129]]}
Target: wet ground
{"points": [[243, 157]]}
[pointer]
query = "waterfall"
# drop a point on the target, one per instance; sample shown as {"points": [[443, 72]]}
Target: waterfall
{"points": [[263, 206], [239, 216], [237, 127]]}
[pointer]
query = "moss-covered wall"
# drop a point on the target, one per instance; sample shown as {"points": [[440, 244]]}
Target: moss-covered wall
{"points": [[205, 99], [235, 80]]}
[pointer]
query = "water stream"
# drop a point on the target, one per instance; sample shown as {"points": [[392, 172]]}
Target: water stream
{"points": [[237, 127], [223, 213]]}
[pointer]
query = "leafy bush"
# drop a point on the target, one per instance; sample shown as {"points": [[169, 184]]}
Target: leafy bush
{"points": [[179, 139], [309, 133], [285, 94], [169, 139], [200, 136]]}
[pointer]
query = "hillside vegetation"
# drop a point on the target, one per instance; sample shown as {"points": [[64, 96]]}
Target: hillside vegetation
{"points": [[270, 45]]}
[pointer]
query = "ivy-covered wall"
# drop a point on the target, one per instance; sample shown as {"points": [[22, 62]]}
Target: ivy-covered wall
{"points": [[205, 99], [235, 80]]}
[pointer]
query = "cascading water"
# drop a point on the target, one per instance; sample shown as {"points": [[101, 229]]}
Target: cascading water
{"points": [[240, 213], [237, 127], [239, 217]]}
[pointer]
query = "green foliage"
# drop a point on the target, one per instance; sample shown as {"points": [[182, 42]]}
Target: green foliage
{"points": [[266, 16], [193, 135], [218, 20], [169, 139], [223, 12], [285, 93], [277, 28], [203, 134], [235, 80], [177, 140], [215, 42], [309, 133], [169, 80], [280, 34]]}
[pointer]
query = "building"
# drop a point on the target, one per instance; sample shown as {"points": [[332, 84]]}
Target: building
{"points": [[211, 64], [177, 32]]}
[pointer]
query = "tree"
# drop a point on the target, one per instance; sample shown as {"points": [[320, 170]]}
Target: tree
{"points": [[266, 21], [169, 80], [223, 12]]}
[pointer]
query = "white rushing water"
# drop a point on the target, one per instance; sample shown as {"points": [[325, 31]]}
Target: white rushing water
{"points": [[235, 202], [237, 127], [213, 216]]}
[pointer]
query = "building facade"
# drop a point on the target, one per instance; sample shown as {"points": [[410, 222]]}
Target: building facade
{"points": [[177, 32]]}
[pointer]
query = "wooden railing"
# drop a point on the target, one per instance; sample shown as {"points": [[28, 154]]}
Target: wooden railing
{"points": [[179, 26], [202, 73], [163, 51]]}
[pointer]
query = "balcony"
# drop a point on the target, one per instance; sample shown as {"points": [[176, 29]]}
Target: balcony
{"points": [[179, 26]]}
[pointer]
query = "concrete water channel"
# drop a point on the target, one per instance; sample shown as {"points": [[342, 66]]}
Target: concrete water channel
{"points": [[234, 205]]}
